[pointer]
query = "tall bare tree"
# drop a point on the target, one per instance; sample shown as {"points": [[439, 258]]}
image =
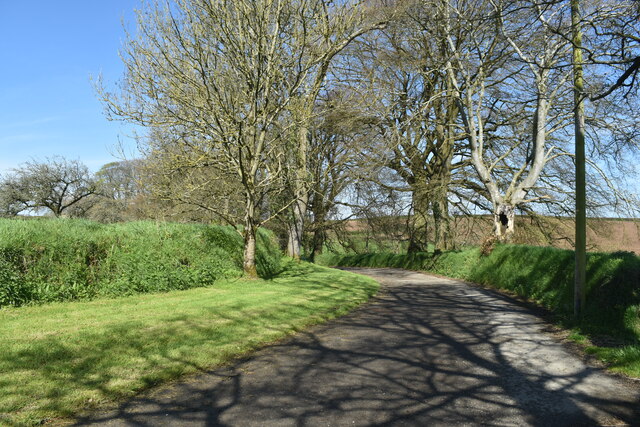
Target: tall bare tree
{"points": [[513, 72], [219, 75], [399, 71], [330, 27]]}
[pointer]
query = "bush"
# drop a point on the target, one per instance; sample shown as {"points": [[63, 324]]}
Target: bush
{"points": [[44, 260], [13, 290]]}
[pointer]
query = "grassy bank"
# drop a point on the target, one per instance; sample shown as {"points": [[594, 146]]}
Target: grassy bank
{"points": [[545, 276], [48, 260], [59, 358]]}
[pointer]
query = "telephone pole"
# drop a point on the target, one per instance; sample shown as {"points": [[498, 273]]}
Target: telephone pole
{"points": [[581, 217]]}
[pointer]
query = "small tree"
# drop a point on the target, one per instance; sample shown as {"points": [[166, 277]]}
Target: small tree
{"points": [[119, 180], [55, 184], [118, 192]]}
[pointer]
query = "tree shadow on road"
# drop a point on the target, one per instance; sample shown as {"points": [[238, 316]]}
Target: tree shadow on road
{"points": [[418, 354]]}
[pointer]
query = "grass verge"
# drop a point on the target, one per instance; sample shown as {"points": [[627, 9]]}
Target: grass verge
{"points": [[59, 358], [545, 276]]}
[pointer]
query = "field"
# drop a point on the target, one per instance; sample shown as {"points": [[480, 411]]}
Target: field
{"points": [[603, 234]]}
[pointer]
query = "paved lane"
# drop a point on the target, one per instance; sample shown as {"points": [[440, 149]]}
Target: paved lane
{"points": [[427, 351]]}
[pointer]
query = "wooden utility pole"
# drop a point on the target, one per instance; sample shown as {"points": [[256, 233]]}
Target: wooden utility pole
{"points": [[581, 218]]}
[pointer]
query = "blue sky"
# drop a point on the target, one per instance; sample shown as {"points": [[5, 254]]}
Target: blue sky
{"points": [[49, 50]]}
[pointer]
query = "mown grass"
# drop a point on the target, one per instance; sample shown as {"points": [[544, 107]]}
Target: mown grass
{"points": [[59, 358], [545, 275], [49, 260]]}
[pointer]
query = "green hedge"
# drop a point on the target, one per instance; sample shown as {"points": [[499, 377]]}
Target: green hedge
{"points": [[542, 274], [45, 260]]}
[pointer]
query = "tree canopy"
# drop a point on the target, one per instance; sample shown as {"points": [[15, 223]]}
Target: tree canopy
{"points": [[281, 109]]}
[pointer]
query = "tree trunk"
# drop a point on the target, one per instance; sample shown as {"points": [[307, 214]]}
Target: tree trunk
{"points": [[317, 243], [249, 234], [442, 225], [296, 228], [319, 228], [440, 207], [249, 263], [504, 222], [418, 229]]}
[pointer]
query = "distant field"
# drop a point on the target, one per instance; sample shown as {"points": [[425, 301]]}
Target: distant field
{"points": [[603, 234]]}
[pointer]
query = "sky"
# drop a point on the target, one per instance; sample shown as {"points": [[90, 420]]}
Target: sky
{"points": [[49, 50]]}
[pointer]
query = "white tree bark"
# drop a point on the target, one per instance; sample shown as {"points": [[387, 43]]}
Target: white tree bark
{"points": [[471, 78]]}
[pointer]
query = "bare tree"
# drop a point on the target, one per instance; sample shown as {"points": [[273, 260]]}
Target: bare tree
{"points": [[330, 27], [118, 190], [499, 98], [56, 184], [119, 180], [419, 118], [190, 188], [337, 141], [219, 75]]}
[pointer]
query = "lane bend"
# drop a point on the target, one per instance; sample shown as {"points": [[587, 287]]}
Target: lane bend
{"points": [[426, 351]]}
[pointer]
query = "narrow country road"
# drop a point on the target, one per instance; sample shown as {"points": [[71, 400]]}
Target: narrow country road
{"points": [[426, 351]]}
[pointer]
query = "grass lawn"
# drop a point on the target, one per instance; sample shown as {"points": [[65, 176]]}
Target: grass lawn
{"points": [[60, 358]]}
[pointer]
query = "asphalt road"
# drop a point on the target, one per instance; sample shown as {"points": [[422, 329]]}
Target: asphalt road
{"points": [[426, 351]]}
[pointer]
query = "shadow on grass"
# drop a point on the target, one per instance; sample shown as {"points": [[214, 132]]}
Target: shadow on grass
{"points": [[415, 356], [88, 368]]}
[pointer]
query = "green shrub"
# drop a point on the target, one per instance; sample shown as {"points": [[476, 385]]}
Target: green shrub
{"points": [[268, 255], [13, 290], [47, 260]]}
